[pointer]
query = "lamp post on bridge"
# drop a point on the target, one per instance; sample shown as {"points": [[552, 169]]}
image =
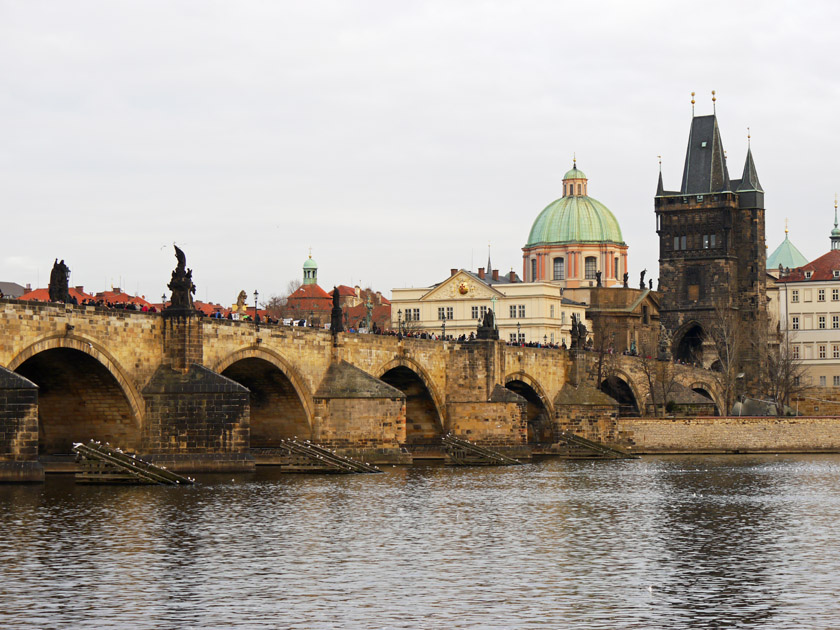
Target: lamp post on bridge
{"points": [[256, 316], [518, 337], [399, 322], [443, 330], [163, 301]]}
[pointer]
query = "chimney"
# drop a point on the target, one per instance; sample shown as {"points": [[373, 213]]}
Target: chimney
{"points": [[496, 275], [452, 272], [481, 272], [80, 288], [28, 286]]}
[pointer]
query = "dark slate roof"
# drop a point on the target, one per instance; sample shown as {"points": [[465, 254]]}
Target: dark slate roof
{"points": [[12, 289], [344, 380], [11, 380], [749, 180], [705, 163], [504, 395], [584, 394]]}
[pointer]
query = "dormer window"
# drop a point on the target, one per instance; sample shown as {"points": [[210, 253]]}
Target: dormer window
{"points": [[808, 275], [836, 273]]}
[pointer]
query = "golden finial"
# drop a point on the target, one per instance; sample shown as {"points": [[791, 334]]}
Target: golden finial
{"points": [[786, 227], [692, 103], [714, 98], [660, 163], [749, 135], [310, 252], [574, 159]]}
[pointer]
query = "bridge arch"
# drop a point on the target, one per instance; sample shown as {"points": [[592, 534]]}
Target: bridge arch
{"points": [[425, 418], [84, 393], [709, 391], [281, 402], [540, 409], [688, 342], [623, 389]]}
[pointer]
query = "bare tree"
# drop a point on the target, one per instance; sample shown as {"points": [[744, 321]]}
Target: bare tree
{"points": [[278, 305], [783, 375], [660, 377], [729, 335], [604, 333]]}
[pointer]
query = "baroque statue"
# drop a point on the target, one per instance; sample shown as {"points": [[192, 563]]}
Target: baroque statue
{"points": [[181, 284], [59, 287]]}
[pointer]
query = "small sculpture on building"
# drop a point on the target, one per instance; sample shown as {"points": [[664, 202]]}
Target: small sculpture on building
{"points": [[642, 279], [181, 284], [487, 328], [626, 279], [650, 284], [59, 287], [664, 343], [336, 315], [597, 278]]}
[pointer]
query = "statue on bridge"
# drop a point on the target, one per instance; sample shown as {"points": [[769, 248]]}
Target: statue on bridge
{"points": [[181, 284], [578, 333], [487, 328], [642, 279], [664, 343], [597, 278], [626, 279], [59, 288], [336, 319]]}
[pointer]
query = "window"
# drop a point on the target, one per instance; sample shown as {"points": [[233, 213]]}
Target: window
{"points": [[835, 352], [590, 267], [712, 240], [578, 188], [440, 312], [521, 310], [822, 352], [482, 311], [521, 337], [676, 243], [795, 351], [705, 241], [615, 269], [683, 242], [808, 275], [552, 341], [822, 381], [512, 311], [835, 321], [835, 381], [559, 268], [835, 273], [794, 322], [533, 270], [794, 295], [822, 322], [835, 295], [412, 314], [513, 337], [551, 311], [474, 312], [821, 295], [450, 312], [796, 380]]}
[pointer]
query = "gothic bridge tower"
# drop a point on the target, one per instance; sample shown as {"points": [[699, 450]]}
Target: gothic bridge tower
{"points": [[711, 248]]}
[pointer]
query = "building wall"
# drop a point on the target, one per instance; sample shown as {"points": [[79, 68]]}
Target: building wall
{"points": [[729, 435]]}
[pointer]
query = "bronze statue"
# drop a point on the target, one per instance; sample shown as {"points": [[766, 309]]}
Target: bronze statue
{"points": [[487, 328], [642, 279], [181, 284], [59, 287], [626, 279], [598, 278]]}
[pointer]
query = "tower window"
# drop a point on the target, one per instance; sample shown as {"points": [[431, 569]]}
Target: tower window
{"points": [[559, 269], [579, 188], [590, 267], [533, 270]]}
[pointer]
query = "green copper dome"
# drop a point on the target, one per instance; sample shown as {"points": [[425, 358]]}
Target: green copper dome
{"points": [[575, 173], [310, 264], [575, 219], [786, 255]]}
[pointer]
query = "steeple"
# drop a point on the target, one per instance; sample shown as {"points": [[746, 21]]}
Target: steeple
{"points": [[660, 188], [835, 233], [749, 180], [310, 270], [705, 161]]}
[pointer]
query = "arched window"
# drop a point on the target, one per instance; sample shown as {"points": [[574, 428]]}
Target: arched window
{"points": [[533, 270], [590, 266], [559, 269]]}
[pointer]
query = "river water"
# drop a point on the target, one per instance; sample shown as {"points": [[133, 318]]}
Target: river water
{"points": [[661, 542]]}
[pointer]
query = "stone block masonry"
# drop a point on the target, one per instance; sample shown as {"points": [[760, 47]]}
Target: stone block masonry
{"points": [[18, 429], [731, 435]]}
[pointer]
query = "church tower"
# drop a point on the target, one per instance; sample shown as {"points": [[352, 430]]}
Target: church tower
{"points": [[711, 246]]}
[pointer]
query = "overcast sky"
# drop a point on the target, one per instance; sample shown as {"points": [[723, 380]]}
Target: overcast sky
{"points": [[396, 139]]}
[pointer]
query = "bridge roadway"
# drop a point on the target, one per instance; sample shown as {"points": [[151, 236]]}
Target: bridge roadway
{"points": [[199, 393]]}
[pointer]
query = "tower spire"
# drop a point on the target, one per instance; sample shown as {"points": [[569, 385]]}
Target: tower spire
{"points": [[714, 99], [660, 188], [692, 104], [489, 266], [835, 233]]}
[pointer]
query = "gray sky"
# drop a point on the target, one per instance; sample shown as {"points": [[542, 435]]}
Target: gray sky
{"points": [[394, 138]]}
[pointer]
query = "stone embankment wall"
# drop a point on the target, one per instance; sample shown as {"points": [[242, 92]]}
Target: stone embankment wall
{"points": [[731, 435]]}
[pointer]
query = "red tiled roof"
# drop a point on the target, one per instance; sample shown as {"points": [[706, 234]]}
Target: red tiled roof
{"points": [[344, 290], [43, 295], [822, 269], [115, 296], [309, 291]]}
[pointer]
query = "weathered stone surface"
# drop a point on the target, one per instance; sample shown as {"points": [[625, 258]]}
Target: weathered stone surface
{"points": [[343, 380]]}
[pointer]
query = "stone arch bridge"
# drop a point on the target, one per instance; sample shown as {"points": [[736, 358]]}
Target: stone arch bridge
{"points": [[204, 394]]}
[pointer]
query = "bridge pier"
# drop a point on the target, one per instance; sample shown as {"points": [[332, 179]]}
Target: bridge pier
{"points": [[19, 429]]}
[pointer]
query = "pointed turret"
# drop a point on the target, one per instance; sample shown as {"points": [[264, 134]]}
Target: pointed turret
{"points": [[660, 189], [749, 180], [705, 162], [835, 233]]}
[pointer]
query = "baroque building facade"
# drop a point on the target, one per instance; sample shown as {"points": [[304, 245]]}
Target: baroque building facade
{"points": [[712, 252]]}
